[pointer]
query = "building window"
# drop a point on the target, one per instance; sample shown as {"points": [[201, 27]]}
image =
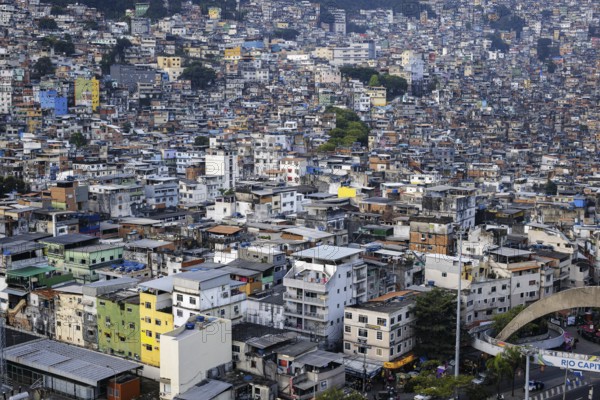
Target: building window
{"points": [[149, 347], [363, 333], [381, 321], [346, 346], [179, 313], [148, 305], [363, 319], [379, 352], [149, 333], [379, 335], [179, 297], [348, 315], [362, 350], [157, 322], [192, 300], [444, 274]]}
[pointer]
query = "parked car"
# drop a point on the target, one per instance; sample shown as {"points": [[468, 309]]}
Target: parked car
{"points": [[535, 386], [480, 379]]}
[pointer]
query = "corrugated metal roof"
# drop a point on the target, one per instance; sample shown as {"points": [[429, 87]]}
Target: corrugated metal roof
{"points": [[75, 363]]}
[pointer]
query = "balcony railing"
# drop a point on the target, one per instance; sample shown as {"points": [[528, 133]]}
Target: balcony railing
{"points": [[312, 300]]}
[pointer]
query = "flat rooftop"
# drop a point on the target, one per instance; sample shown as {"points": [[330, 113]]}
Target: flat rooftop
{"points": [[72, 362], [330, 253]]}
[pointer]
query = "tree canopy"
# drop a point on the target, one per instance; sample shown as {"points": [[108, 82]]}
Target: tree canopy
{"points": [[536, 327], [395, 86], [47, 24], [286, 34], [9, 184], [337, 394], [115, 55], [42, 67], [201, 141], [77, 139], [348, 130], [435, 324], [200, 76]]}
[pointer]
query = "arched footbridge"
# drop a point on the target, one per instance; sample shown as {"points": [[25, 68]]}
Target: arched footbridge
{"points": [[571, 298]]}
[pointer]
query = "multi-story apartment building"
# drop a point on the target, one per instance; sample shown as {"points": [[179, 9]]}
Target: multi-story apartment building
{"points": [[206, 291], [156, 317], [68, 319], [161, 192], [83, 261], [322, 281], [119, 323], [190, 352], [116, 200], [380, 329], [457, 203], [432, 235], [223, 163]]}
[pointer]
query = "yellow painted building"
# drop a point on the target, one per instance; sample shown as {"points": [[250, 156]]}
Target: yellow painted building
{"points": [[233, 54], [168, 62], [87, 92], [156, 318], [214, 13], [377, 96], [345, 191]]}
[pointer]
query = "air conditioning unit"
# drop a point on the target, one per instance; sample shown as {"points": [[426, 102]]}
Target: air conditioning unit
{"points": [[178, 304]]}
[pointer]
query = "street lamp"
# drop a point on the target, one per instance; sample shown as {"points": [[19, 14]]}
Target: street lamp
{"points": [[527, 352], [114, 380], [457, 349]]}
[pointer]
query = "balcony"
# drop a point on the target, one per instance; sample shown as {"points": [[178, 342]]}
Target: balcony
{"points": [[321, 300], [292, 311], [308, 284], [316, 316]]}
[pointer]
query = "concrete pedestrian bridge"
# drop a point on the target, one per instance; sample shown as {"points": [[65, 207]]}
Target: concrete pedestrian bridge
{"points": [[571, 298], [588, 296]]}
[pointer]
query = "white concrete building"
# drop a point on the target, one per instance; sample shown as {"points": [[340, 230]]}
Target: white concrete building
{"points": [[210, 292], [380, 329], [191, 353], [323, 280], [223, 163]]}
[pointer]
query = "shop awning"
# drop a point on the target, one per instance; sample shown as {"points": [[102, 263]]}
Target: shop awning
{"points": [[15, 292], [400, 362], [356, 366]]}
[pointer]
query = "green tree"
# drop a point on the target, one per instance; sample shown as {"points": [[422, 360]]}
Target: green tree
{"points": [[395, 86], [352, 27], [57, 10], [65, 47], [286, 34], [77, 139], [337, 394], [42, 67], [157, 10], [201, 141], [115, 56], [515, 359], [499, 369], [551, 188], [435, 324], [200, 76], [440, 387], [374, 80], [9, 184], [48, 24]]}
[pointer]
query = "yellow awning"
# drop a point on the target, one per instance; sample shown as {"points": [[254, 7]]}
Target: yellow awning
{"points": [[400, 362]]}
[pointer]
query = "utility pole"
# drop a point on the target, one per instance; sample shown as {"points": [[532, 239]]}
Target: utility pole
{"points": [[458, 290]]}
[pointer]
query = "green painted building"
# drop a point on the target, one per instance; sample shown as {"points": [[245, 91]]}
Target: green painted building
{"points": [[83, 262], [119, 323], [57, 246]]}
